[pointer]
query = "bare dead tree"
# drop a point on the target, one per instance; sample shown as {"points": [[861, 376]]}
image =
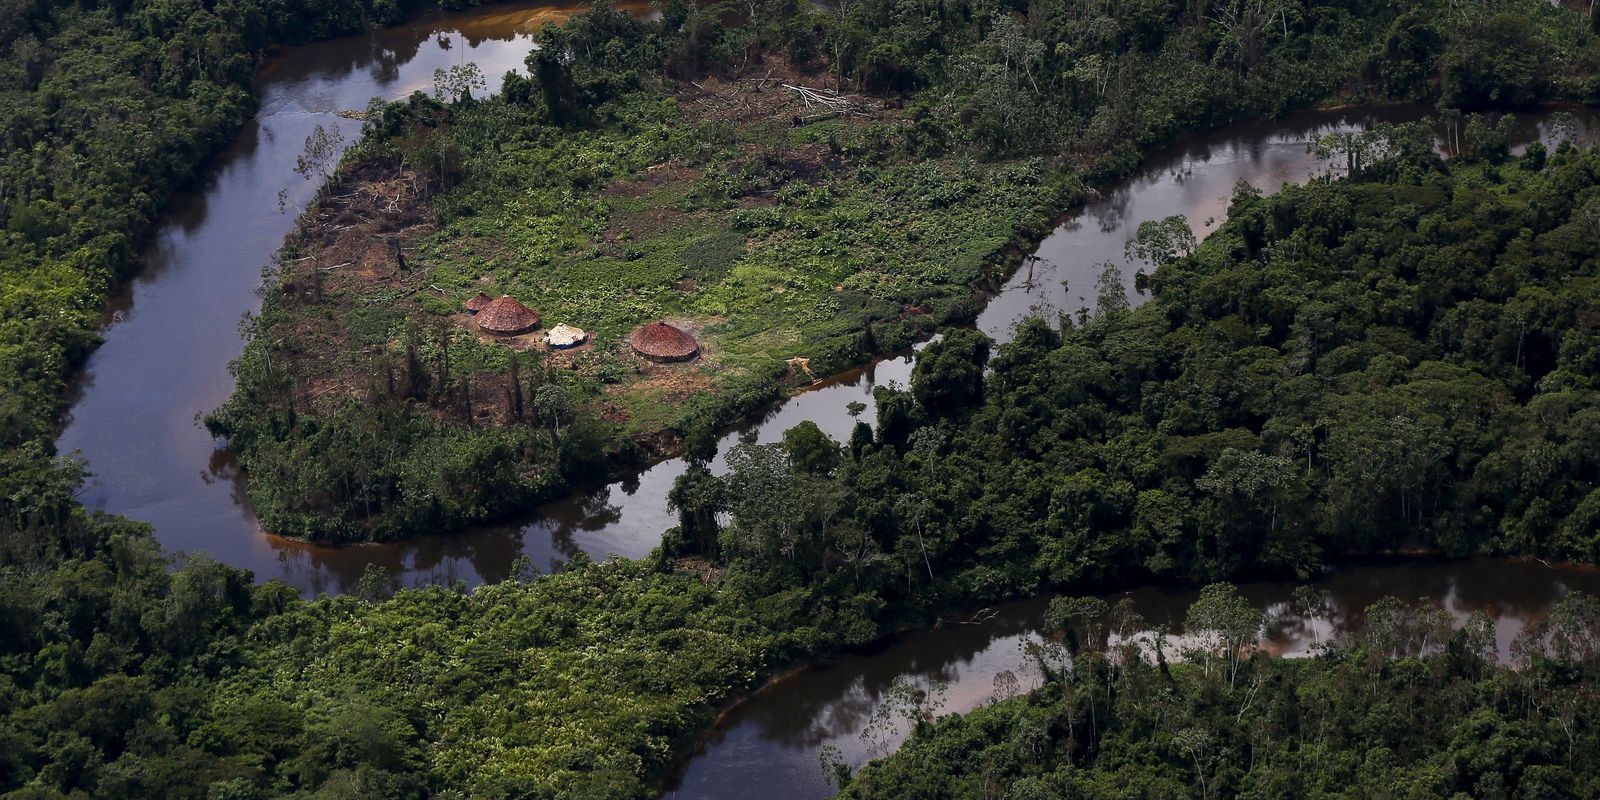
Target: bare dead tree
{"points": [[827, 101]]}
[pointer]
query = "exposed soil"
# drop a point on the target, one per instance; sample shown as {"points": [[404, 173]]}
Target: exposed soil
{"points": [[349, 249], [355, 247], [353, 252], [759, 93], [350, 242], [353, 234]]}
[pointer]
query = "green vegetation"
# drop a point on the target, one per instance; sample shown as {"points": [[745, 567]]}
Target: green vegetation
{"points": [[655, 169], [1401, 359], [122, 679], [1404, 359], [1408, 708], [1351, 366], [459, 411], [106, 109]]}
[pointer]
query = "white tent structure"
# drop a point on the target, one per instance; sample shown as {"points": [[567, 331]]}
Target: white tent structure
{"points": [[563, 336]]}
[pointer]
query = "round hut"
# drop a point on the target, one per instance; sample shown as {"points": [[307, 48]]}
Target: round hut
{"points": [[477, 303], [564, 336], [504, 316], [659, 341]]}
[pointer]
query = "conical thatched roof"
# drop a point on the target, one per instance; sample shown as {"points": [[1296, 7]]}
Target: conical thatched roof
{"points": [[659, 341], [563, 336], [477, 302], [504, 316]]}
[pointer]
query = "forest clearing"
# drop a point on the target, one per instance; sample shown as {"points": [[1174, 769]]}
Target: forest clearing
{"points": [[1240, 434]]}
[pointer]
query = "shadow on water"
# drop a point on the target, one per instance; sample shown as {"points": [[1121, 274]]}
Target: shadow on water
{"points": [[173, 329], [769, 744]]}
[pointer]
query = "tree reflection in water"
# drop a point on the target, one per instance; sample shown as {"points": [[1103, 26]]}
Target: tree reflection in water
{"points": [[778, 733], [589, 512], [235, 216]]}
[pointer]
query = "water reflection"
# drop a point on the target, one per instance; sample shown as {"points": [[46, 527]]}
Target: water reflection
{"points": [[1196, 178], [771, 742], [165, 358], [173, 328]]}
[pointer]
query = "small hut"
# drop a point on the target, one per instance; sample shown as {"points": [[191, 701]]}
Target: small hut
{"points": [[564, 336], [504, 316], [477, 303], [659, 341]]}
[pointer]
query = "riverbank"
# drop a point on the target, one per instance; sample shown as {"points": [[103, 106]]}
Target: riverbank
{"points": [[339, 272], [100, 144], [1102, 514], [818, 248], [584, 683], [164, 360], [81, 212], [1407, 706], [588, 682], [775, 735]]}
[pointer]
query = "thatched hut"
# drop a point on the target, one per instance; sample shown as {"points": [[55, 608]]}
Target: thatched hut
{"points": [[659, 341], [504, 316], [564, 336], [477, 303]]}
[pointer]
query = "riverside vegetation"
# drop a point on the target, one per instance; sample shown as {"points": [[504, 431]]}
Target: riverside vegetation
{"points": [[1280, 400], [653, 169], [1408, 708], [1400, 359], [106, 109], [1303, 386]]}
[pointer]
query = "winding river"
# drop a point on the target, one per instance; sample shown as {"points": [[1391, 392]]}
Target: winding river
{"points": [[772, 741], [172, 332], [174, 328]]}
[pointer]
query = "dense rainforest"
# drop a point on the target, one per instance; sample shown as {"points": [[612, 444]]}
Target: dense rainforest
{"points": [[106, 110], [1409, 708], [1303, 365], [1400, 359], [659, 169]]}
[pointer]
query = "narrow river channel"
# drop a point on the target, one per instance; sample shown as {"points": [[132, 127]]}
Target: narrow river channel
{"points": [[174, 329], [768, 746]]}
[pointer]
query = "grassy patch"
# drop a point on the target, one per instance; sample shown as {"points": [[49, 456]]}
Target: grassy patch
{"points": [[769, 242]]}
